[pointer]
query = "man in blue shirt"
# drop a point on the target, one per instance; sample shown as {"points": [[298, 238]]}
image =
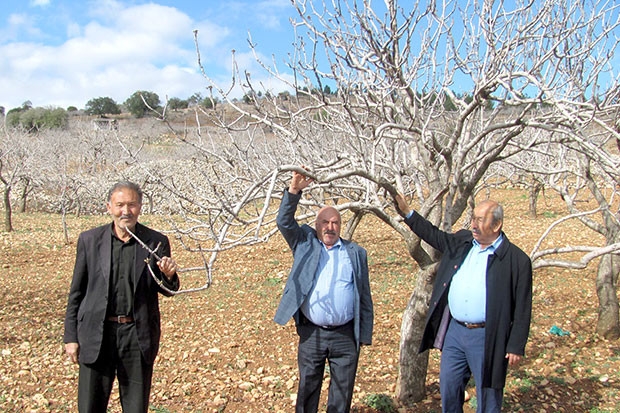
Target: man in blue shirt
{"points": [[480, 308], [328, 295]]}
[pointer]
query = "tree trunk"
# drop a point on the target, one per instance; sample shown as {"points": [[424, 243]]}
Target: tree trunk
{"points": [[608, 324], [352, 225], [411, 386], [8, 221], [534, 191], [24, 196]]}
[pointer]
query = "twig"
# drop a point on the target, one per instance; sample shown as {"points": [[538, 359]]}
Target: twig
{"points": [[158, 280]]}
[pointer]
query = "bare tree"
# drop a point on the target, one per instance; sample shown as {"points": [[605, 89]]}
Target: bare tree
{"points": [[592, 177], [16, 150], [398, 121]]}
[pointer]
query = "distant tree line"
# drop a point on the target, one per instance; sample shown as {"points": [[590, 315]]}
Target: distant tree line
{"points": [[139, 104]]}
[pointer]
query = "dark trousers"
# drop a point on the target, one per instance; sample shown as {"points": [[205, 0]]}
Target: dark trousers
{"points": [[337, 346], [461, 356], [120, 357]]}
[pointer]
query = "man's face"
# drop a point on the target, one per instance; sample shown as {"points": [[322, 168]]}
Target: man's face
{"points": [[124, 207], [328, 226], [482, 226]]}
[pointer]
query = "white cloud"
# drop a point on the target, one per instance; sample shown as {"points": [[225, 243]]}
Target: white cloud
{"points": [[73, 30], [117, 50], [18, 23], [131, 49], [40, 3]]}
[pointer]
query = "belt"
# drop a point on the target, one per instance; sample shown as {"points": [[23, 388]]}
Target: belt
{"points": [[121, 319], [470, 325], [305, 321], [332, 328]]}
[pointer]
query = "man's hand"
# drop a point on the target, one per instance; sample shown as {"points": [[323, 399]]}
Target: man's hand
{"points": [[73, 351], [168, 266], [401, 205], [299, 182], [514, 359]]}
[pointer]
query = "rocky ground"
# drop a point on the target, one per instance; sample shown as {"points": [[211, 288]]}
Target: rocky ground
{"points": [[221, 351]]}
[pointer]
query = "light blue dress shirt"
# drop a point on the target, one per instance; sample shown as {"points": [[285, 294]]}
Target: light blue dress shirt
{"points": [[331, 299], [467, 297]]}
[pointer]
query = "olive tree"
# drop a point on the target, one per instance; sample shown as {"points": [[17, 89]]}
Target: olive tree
{"points": [[102, 106], [142, 102]]}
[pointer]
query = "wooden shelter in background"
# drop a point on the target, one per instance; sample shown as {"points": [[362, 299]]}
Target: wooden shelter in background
{"points": [[105, 124]]}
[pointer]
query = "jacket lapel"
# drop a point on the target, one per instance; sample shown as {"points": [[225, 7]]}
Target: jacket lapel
{"points": [[354, 257], [105, 252]]}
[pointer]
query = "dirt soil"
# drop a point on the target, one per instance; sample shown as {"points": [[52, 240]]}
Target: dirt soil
{"points": [[221, 351]]}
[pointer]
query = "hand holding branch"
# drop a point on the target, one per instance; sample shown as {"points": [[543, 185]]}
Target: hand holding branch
{"points": [[168, 266], [299, 182], [401, 205]]}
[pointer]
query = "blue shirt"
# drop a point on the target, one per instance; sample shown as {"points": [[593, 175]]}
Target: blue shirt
{"points": [[330, 302], [467, 297]]}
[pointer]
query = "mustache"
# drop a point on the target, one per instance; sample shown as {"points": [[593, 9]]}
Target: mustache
{"points": [[329, 232], [127, 216]]}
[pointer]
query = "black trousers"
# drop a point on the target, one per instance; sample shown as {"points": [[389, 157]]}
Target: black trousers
{"points": [[316, 346], [120, 357]]}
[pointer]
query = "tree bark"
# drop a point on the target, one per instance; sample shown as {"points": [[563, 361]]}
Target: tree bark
{"points": [[8, 221], [411, 385], [352, 225], [608, 324], [534, 191]]}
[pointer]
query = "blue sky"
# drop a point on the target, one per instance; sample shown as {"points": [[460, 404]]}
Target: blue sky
{"points": [[65, 52]]}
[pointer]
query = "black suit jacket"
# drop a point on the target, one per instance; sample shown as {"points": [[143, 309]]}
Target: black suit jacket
{"points": [[88, 296]]}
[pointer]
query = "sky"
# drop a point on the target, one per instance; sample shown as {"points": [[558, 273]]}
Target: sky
{"points": [[61, 53]]}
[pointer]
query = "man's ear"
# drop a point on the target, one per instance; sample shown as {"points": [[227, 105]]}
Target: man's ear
{"points": [[498, 226]]}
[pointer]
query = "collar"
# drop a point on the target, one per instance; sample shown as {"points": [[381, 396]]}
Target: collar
{"points": [[494, 245], [337, 244]]}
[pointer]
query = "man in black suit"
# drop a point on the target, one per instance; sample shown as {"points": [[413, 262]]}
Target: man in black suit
{"points": [[112, 324]]}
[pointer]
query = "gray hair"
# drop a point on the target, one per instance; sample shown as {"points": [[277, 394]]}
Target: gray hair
{"points": [[125, 185], [498, 214]]}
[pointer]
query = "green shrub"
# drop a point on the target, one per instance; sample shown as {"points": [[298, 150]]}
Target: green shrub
{"points": [[380, 402], [37, 118]]}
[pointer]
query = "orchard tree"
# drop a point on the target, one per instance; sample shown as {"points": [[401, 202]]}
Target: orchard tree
{"points": [[142, 102], [102, 106], [431, 99], [16, 150]]}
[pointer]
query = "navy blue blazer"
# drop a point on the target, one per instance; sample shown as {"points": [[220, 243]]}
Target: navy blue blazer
{"points": [[508, 300], [306, 249], [88, 296]]}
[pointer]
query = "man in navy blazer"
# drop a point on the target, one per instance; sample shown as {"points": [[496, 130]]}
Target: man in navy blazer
{"points": [[480, 308], [112, 323], [328, 295]]}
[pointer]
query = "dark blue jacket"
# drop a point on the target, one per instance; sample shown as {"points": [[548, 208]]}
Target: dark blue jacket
{"points": [[509, 295]]}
